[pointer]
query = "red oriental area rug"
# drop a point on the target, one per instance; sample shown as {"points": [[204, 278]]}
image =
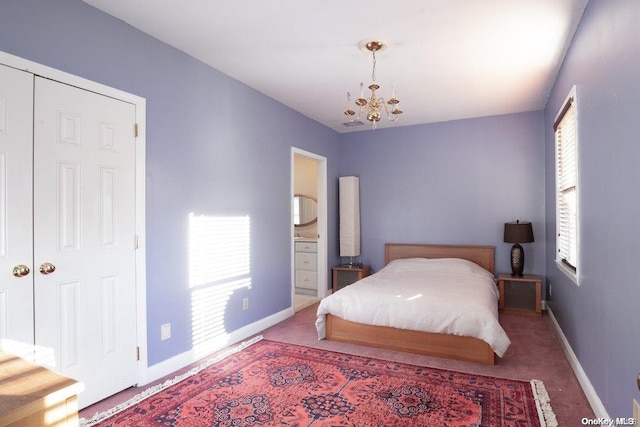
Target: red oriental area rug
{"points": [[270, 383]]}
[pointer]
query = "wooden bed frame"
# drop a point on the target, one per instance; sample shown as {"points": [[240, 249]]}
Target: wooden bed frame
{"points": [[431, 344]]}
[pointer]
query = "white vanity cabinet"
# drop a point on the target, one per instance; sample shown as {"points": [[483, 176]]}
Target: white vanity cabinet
{"points": [[306, 265]]}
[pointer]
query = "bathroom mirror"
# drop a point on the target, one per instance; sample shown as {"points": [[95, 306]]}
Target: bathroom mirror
{"points": [[305, 211]]}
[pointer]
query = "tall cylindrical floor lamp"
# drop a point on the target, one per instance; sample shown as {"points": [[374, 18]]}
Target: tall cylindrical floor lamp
{"points": [[349, 188]]}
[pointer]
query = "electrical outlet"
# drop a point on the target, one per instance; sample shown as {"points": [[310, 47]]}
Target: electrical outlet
{"points": [[636, 411], [165, 331], [245, 303]]}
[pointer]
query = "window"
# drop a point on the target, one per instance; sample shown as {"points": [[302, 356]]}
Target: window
{"points": [[566, 135]]}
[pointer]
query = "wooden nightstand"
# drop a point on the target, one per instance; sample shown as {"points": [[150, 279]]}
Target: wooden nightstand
{"points": [[35, 396], [344, 275], [515, 297]]}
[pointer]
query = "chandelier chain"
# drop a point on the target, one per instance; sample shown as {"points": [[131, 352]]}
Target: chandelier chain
{"points": [[373, 71]]}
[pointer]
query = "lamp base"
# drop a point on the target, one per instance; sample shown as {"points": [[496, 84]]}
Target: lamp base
{"points": [[517, 260], [353, 263]]}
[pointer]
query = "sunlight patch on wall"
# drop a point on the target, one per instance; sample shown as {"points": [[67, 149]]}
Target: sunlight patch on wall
{"points": [[219, 264], [209, 308], [218, 248]]}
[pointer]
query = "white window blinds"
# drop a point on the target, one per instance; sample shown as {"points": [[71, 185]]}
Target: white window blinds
{"points": [[566, 133]]}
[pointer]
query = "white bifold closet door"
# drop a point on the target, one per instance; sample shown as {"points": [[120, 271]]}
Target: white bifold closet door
{"points": [[16, 211], [74, 229]]}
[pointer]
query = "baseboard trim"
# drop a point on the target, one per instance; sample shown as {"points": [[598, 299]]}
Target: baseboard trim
{"points": [[177, 362], [593, 398]]}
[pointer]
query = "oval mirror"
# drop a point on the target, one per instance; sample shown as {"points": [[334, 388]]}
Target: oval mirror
{"points": [[304, 210]]}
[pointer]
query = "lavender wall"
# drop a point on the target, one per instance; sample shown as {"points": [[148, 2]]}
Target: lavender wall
{"points": [[205, 154], [600, 316], [455, 182]]}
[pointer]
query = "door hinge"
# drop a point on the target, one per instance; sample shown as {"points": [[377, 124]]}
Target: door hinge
{"points": [[136, 242], [137, 353], [136, 130]]}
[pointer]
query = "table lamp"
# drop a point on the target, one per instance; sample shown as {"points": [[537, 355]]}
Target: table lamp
{"points": [[516, 233]]}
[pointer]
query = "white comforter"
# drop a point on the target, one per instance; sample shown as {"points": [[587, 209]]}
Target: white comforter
{"points": [[450, 295]]}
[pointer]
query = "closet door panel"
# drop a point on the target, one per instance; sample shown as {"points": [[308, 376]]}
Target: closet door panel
{"points": [[84, 203], [16, 235]]}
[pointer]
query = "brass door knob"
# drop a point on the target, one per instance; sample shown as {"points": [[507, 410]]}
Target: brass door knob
{"points": [[21, 270], [47, 268]]}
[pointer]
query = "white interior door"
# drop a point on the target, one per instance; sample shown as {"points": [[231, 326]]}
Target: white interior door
{"points": [[16, 227], [84, 227]]}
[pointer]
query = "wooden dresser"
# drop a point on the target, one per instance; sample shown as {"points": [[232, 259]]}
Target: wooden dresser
{"points": [[33, 396]]}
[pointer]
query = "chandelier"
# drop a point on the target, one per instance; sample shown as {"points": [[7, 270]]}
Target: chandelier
{"points": [[372, 106]]}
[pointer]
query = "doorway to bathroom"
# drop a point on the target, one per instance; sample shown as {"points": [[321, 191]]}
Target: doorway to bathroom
{"points": [[308, 228]]}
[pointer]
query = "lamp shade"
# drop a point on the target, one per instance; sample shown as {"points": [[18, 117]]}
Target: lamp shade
{"points": [[349, 188], [518, 232]]}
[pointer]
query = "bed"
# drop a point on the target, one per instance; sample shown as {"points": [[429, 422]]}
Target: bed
{"points": [[452, 344]]}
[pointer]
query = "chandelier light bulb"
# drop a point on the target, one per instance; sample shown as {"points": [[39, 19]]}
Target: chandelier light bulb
{"points": [[349, 112]]}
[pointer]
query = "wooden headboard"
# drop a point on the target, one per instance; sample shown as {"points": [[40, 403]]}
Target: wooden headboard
{"points": [[484, 256]]}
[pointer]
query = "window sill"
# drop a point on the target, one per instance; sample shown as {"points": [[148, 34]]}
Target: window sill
{"points": [[567, 272]]}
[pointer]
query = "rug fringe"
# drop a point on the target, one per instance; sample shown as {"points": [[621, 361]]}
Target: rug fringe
{"points": [[159, 387], [543, 404]]}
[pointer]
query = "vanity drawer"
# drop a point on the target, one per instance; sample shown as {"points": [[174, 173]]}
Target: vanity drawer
{"points": [[307, 247], [306, 279], [306, 261]]}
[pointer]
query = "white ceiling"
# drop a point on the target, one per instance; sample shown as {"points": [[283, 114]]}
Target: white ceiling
{"points": [[447, 59]]}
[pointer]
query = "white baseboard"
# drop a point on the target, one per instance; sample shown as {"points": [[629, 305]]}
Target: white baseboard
{"points": [[593, 398], [182, 360]]}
